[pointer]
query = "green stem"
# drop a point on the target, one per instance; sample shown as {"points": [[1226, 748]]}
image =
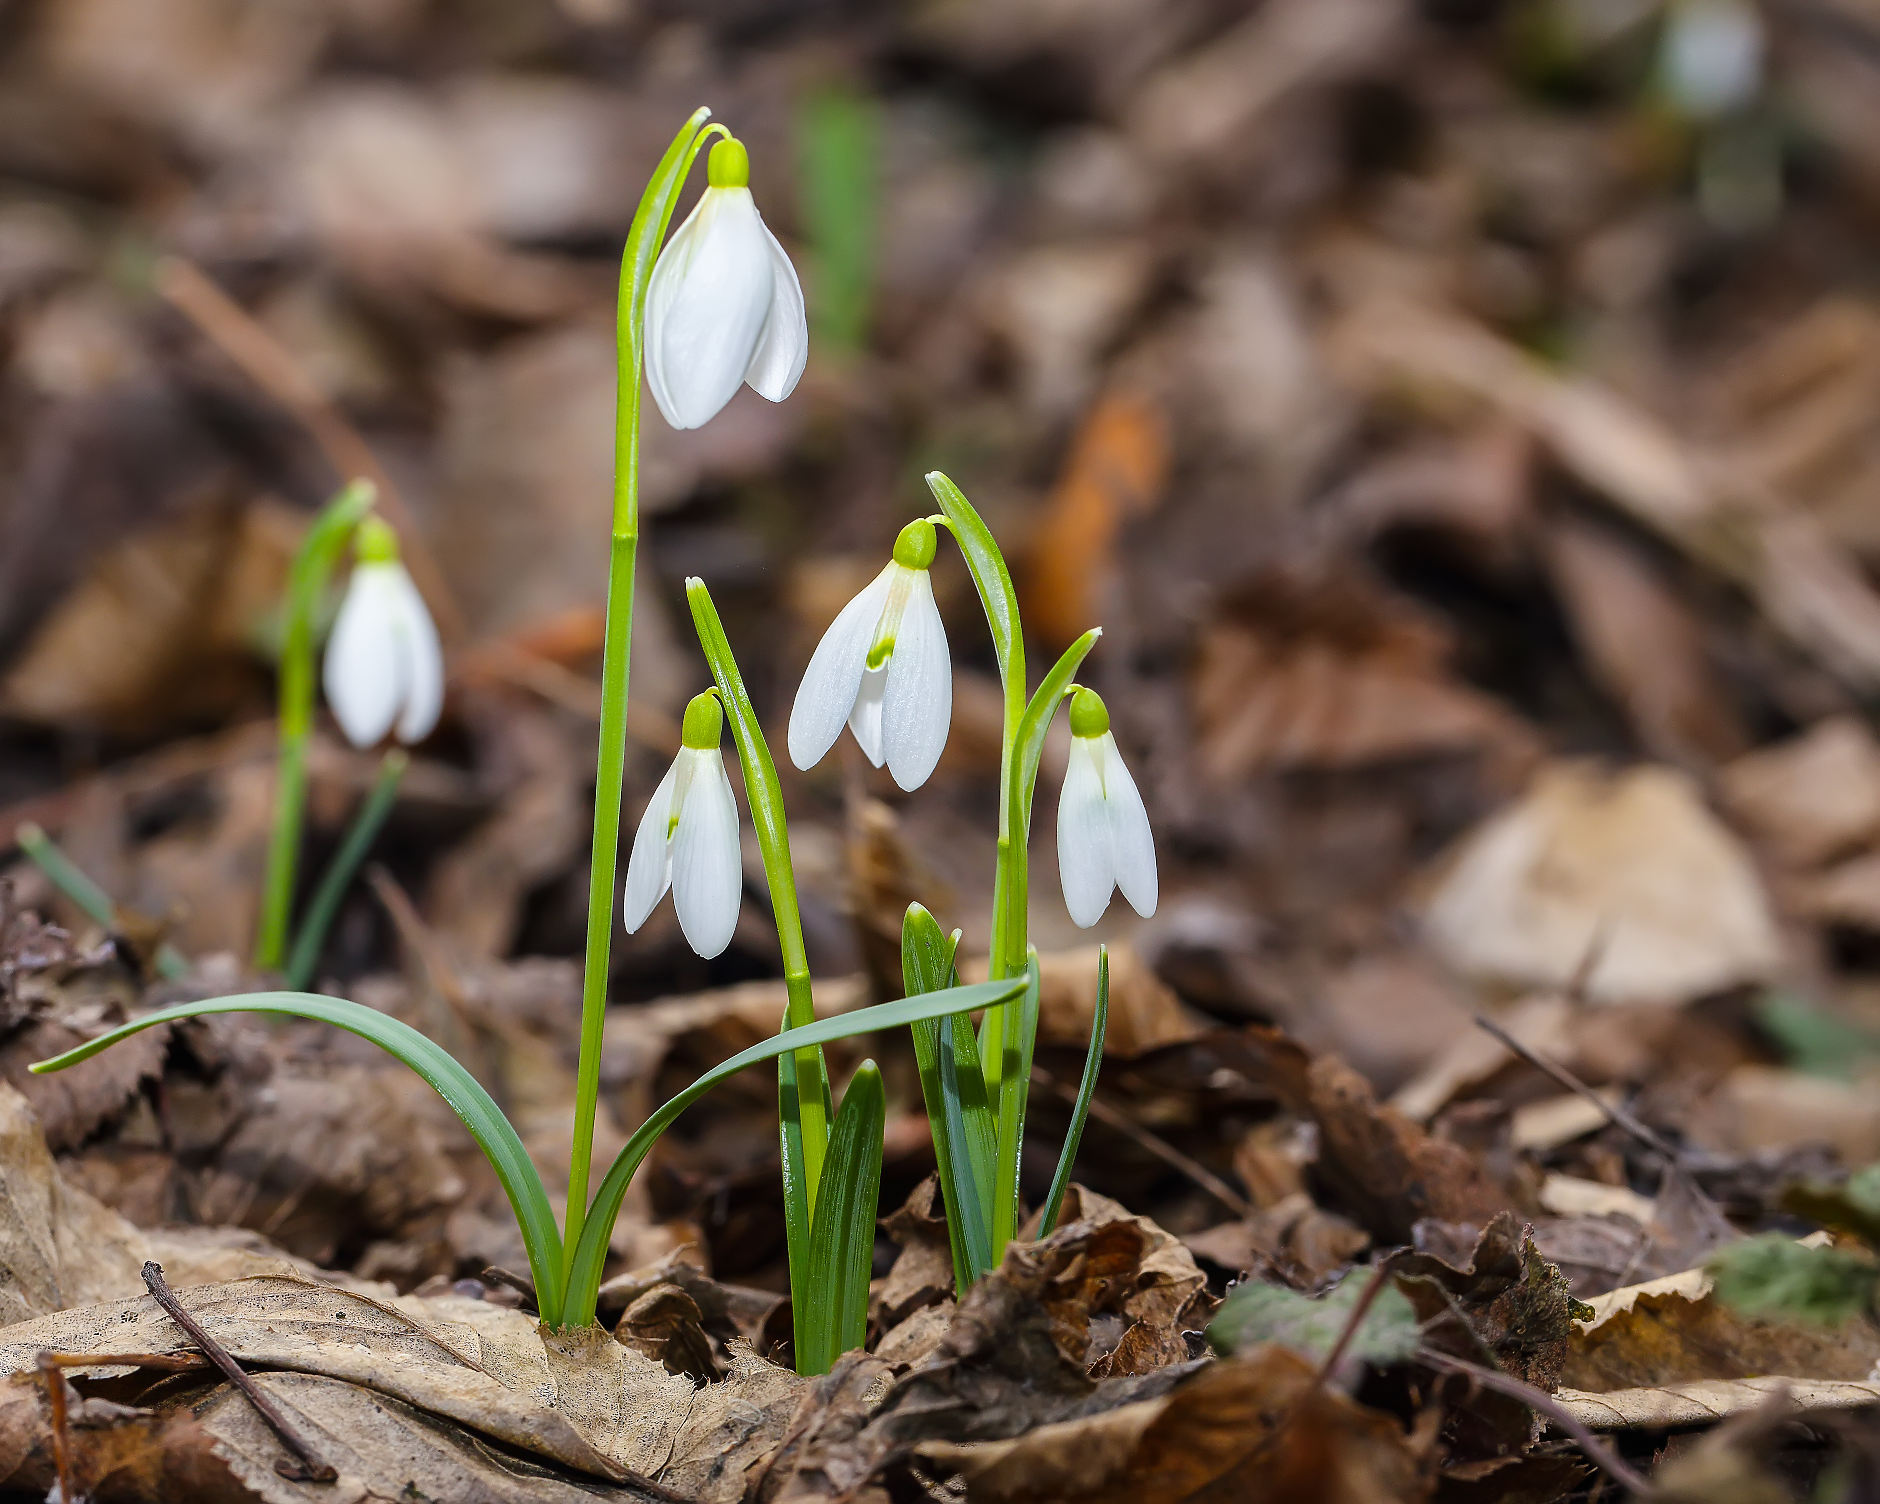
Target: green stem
{"points": [[765, 795], [339, 872], [636, 265], [319, 551], [76, 885]]}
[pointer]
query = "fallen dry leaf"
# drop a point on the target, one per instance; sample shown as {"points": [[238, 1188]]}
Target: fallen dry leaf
{"points": [[1810, 798], [1257, 1425], [1626, 877]]}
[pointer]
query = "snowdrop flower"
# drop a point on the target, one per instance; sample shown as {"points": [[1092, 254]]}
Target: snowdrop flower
{"points": [[1713, 56], [1103, 831], [883, 668], [688, 839], [384, 670], [724, 305]]}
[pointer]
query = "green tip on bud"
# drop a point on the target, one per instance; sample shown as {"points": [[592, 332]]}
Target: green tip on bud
{"points": [[729, 165], [704, 721], [375, 542], [917, 545], [1089, 715]]}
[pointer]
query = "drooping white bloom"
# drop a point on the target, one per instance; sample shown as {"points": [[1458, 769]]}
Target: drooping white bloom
{"points": [[688, 840], [1104, 842], [884, 670], [384, 670], [724, 305], [1713, 55]]}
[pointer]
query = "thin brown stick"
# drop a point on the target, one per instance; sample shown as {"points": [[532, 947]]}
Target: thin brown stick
{"points": [[61, 1441], [310, 1469], [520, 1283], [1618, 1116], [1538, 1400], [1161, 1148], [175, 1362], [266, 362], [1359, 1310]]}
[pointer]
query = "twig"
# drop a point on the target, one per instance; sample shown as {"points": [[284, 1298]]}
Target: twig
{"points": [[521, 1284], [1359, 1310], [310, 1469], [61, 1442], [1161, 1148], [266, 362], [1618, 1116], [1545, 1404]]}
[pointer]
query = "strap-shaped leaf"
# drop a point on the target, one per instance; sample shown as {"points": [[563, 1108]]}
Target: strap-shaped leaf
{"points": [[591, 1254], [926, 966], [994, 582], [465, 1096], [1086, 1089], [842, 1247], [797, 1219]]}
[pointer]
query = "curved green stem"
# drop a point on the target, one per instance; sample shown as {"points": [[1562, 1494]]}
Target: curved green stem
{"points": [[339, 872], [765, 796], [318, 553], [636, 265]]}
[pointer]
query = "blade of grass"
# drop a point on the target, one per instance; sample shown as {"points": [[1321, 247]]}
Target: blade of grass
{"points": [[75, 884], [838, 149], [1086, 1089], [842, 1247], [591, 1254], [459, 1089], [339, 872]]}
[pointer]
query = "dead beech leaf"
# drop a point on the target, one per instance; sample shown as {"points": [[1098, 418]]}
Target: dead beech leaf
{"points": [[1625, 875], [1670, 1406], [1255, 1426], [1330, 673], [1812, 797], [1116, 470], [120, 1455], [1674, 1331]]}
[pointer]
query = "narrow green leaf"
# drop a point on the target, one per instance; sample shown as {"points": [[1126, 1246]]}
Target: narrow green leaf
{"points": [[994, 582], [1086, 1089], [591, 1254], [842, 1247], [339, 872], [927, 966], [459, 1089], [96, 904]]}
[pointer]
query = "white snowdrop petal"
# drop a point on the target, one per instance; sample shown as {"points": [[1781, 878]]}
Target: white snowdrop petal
{"points": [[714, 282], [917, 706], [649, 869], [783, 347], [707, 872], [364, 677], [1131, 838], [424, 664], [830, 683], [865, 718], [1086, 861]]}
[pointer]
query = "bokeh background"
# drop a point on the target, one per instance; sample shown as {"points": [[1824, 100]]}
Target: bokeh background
{"points": [[1463, 417]]}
